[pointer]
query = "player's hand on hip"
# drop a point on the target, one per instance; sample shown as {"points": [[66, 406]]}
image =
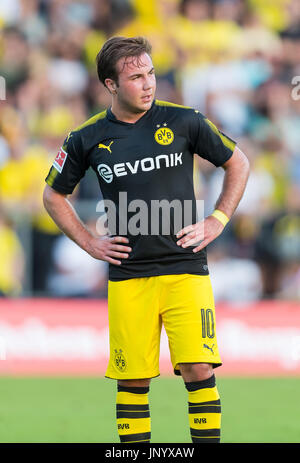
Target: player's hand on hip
{"points": [[200, 234], [108, 248]]}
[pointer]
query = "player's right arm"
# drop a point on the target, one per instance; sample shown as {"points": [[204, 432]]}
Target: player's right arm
{"points": [[68, 168], [64, 215], [211, 144]]}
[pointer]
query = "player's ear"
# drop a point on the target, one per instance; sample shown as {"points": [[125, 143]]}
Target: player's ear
{"points": [[111, 85]]}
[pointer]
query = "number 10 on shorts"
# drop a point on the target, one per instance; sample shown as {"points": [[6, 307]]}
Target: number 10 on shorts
{"points": [[208, 324]]}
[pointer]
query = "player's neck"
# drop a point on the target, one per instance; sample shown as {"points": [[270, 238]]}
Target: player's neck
{"points": [[124, 114]]}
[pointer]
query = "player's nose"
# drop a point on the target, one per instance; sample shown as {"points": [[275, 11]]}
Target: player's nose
{"points": [[148, 83]]}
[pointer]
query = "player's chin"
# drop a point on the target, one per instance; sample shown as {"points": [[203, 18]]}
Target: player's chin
{"points": [[141, 106], [146, 102]]}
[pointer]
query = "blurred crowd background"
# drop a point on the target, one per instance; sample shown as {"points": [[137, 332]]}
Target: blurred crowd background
{"points": [[236, 61]]}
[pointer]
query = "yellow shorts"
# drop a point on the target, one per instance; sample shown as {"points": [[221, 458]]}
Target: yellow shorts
{"points": [[138, 307]]}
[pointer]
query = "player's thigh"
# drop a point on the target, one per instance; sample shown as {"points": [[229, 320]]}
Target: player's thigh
{"points": [[189, 319], [134, 329]]}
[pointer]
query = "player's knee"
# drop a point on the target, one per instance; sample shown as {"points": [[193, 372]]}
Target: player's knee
{"points": [[134, 382], [195, 371]]}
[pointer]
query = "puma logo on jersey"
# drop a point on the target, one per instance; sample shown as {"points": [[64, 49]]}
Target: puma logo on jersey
{"points": [[106, 147]]}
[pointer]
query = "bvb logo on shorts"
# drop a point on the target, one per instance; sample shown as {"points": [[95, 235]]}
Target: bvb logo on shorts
{"points": [[164, 136], [120, 361]]}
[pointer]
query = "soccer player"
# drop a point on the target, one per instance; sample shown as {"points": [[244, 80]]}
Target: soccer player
{"points": [[144, 148]]}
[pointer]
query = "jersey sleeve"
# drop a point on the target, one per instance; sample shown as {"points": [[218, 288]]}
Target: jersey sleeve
{"points": [[208, 141], [69, 165]]}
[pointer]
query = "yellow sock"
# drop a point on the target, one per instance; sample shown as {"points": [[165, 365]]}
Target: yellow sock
{"points": [[133, 415], [204, 411]]}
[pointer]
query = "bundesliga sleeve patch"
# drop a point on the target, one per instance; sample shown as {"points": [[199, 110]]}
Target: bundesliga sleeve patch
{"points": [[60, 160]]}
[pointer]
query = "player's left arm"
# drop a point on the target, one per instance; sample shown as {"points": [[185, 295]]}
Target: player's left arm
{"points": [[235, 179]]}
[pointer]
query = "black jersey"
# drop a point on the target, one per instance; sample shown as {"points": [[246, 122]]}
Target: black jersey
{"points": [[150, 160]]}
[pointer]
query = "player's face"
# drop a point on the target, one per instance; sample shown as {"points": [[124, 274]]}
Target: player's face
{"points": [[136, 83]]}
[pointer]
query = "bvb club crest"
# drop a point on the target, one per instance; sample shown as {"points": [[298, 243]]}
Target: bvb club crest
{"points": [[120, 361], [164, 135]]}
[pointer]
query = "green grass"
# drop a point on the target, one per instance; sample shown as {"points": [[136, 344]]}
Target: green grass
{"points": [[83, 410]]}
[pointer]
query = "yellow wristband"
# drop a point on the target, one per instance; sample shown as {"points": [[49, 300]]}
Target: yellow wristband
{"points": [[220, 216]]}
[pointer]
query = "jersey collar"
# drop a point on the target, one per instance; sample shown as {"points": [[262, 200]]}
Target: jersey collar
{"points": [[110, 116]]}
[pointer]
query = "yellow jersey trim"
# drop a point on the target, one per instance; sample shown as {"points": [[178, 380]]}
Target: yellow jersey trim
{"points": [[52, 176], [91, 120], [167, 103], [228, 143]]}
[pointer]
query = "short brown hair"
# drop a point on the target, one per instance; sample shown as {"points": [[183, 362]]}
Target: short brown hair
{"points": [[116, 48]]}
